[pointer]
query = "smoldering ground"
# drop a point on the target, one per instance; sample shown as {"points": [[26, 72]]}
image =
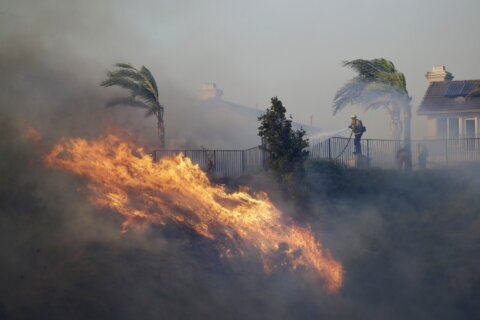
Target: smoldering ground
{"points": [[408, 243], [62, 258]]}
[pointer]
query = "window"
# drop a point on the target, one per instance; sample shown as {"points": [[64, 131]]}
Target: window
{"points": [[470, 131], [453, 128], [470, 128], [441, 128], [448, 128]]}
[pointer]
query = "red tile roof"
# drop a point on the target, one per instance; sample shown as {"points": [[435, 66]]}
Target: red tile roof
{"points": [[436, 99]]}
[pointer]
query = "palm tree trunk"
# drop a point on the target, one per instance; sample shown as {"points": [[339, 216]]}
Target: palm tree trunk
{"points": [[407, 119], [160, 125], [161, 133], [396, 123]]}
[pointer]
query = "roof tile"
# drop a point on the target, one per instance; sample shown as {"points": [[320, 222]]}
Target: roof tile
{"points": [[436, 100]]}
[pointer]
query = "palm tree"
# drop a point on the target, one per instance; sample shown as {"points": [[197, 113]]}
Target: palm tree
{"points": [[143, 93], [379, 85]]}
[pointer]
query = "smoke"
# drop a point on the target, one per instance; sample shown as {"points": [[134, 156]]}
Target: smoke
{"points": [[406, 240], [62, 257], [408, 243], [59, 256], [55, 54]]}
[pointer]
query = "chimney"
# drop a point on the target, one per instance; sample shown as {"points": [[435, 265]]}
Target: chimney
{"points": [[209, 90], [438, 73]]}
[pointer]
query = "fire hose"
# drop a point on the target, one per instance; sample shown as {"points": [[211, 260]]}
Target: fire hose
{"points": [[348, 142]]}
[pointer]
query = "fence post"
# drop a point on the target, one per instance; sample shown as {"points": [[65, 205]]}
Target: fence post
{"points": [[243, 161], [214, 162], [368, 153], [329, 150], [446, 151], [263, 159]]}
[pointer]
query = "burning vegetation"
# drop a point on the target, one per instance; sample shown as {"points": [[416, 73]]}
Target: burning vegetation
{"points": [[124, 178], [406, 241]]}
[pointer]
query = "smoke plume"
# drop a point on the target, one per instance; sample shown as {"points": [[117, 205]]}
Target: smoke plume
{"points": [[408, 243]]}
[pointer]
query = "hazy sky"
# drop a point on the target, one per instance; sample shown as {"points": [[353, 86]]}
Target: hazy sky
{"points": [[254, 50]]}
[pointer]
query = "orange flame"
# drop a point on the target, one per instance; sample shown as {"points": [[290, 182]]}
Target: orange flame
{"points": [[124, 178]]}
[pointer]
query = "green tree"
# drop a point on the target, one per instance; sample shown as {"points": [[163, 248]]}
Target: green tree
{"points": [[379, 84], [143, 93], [286, 147]]}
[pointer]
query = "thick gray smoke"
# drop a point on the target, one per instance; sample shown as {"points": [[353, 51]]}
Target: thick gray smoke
{"points": [[409, 244], [55, 54], [62, 258], [406, 243]]}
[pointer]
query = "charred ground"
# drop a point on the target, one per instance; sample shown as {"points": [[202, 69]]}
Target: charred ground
{"points": [[408, 243]]}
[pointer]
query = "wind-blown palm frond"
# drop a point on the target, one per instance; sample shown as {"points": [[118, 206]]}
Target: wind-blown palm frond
{"points": [[124, 65], [379, 105], [128, 101], [125, 73], [378, 70], [143, 92], [367, 95], [395, 80], [135, 88], [348, 94], [376, 78], [150, 80], [124, 83], [366, 70], [150, 112]]}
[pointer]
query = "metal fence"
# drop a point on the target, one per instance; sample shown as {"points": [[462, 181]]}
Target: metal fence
{"points": [[383, 153], [221, 163], [380, 153]]}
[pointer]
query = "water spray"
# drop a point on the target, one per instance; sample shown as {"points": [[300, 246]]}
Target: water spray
{"points": [[325, 135]]}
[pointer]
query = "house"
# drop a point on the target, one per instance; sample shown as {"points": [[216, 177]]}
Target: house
{"points": [[229, 125], [451, 112]]}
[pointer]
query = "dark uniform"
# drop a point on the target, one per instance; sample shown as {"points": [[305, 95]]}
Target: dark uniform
{"points": [[358, 130]]}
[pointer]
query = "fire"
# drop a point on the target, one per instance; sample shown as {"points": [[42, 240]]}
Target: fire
{"points": [[124, 178]]}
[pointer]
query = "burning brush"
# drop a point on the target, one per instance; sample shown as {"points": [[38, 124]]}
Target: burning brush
{"points": [[123, 177]]}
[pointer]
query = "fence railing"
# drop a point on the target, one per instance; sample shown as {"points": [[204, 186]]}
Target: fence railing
{"points": [[384, 153], [221, 163], [380, 153]]}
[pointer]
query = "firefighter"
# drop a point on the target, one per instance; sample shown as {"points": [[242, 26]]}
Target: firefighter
{"points": [[358, 129]]}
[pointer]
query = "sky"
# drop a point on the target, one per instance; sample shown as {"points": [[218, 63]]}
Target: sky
{"points": [[255, 50]]}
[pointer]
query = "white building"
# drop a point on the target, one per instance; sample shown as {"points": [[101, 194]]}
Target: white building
{"points": [[451, 112]]}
